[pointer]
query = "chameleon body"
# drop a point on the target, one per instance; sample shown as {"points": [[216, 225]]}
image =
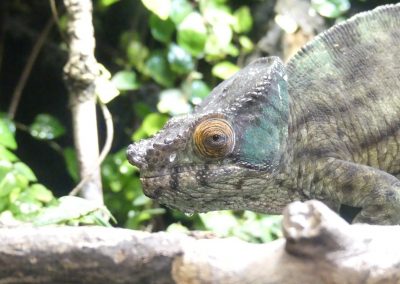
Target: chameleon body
{"points": [[326, 126]]}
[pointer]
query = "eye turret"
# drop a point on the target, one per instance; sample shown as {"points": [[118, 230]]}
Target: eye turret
{"points": [[214, 138]]}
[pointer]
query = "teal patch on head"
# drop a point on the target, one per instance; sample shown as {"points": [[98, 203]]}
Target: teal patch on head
{"points": [[263, 138]]}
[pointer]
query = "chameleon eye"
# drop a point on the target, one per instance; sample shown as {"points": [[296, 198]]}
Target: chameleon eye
{"points": [[214, 138]]}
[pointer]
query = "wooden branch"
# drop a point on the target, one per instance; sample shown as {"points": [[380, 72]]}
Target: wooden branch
{"points": [[81, 72], [319, 248]]}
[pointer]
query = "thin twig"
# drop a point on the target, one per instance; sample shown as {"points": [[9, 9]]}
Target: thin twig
{"points": [[106, 149], [16, 97], [56, 16]]}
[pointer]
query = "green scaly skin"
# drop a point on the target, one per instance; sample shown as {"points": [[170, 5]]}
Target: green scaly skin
{"points": [[326, 126]]}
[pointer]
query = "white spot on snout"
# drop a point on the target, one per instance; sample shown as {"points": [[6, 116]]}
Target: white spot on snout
{"points": [[172, 157]]}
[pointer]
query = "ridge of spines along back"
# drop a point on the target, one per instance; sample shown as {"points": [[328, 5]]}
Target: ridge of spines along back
{"points": [[344, 31]]}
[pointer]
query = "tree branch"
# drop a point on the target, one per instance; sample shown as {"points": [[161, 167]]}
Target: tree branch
{"points": [[81, 72], [320, 247]]}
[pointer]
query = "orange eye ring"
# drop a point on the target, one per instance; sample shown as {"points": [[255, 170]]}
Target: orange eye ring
{"points": [[214, 138]]}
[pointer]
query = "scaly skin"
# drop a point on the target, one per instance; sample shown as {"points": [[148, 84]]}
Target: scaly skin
{"points": [[329, 130]]}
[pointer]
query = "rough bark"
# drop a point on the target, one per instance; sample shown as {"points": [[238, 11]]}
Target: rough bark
{"points": [[81, 71], [320, 247]]}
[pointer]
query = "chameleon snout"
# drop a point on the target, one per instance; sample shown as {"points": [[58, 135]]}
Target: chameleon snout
{"points": [[136, 156]]}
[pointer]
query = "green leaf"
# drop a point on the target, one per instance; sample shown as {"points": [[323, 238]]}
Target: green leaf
{"points": [[8, 183], [161, 30], [246, 44], [243, 20], [46, 127], [106, 3], [159, 7], [25, 171], [71, 163], [6, 134], [136, 51], [157, 67], [192, 34], [331, 8], [224, 70], [198, 91], [179, 10], [179, 59], [173, 101], [5, 168], [7, 155], [218, 41], [150, 126], [73, 210], [125, 81], [220, 222], [41, 193]]}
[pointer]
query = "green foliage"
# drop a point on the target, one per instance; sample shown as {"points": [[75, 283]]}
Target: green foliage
{"points": [[46, 127], [331, 8], [20, 194]]}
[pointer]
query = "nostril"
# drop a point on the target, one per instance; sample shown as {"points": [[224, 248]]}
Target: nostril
{"points": [[135, 156]]}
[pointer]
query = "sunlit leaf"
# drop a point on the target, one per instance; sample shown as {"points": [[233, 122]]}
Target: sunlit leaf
{"points": [[179, 10], [246, 43], [159, 7], [179, 59], [192, 34], [220, 222], [24, 170], [6, 134], [243, 20], [106, 3], [7, 184], [41, 193], [73, 209], [173, 101], [224, 70], [46, 127], [7, 155], [330, 8], [125, 80], [150, 126]]}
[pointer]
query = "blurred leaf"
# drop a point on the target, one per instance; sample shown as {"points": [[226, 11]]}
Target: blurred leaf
{"points": [[246, 44], [41, 193], [7, 184], [224, 70], [243, 20], [179, 10], [173, 101], [141, 200], [179, 59], [24, 170], [6, 134], [330, 8], [141, 109], [136, 51], [220, 222], [157, 67], [287, 23], [71, 163], [106, 3], [177, 228], [125, 81], [198, 91], [5, 168], [150, 126], [161, 30], [73, 210], [7, 155], [46, 127], [192, 34], [159, 7]]}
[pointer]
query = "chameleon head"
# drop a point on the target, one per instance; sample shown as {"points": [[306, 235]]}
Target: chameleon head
{"points": [[205, 160]]}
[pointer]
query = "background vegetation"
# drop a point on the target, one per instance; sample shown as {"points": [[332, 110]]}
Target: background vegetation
{"points": [[159, 58]]}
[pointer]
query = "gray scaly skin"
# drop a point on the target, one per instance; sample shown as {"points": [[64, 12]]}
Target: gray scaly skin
{"points": [[326, 126]]}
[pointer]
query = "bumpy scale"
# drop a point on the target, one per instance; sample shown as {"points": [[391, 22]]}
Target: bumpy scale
{"points": [[326, 126]]}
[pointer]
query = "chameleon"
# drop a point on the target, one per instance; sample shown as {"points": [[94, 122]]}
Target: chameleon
{"points": [[324, 126]]}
